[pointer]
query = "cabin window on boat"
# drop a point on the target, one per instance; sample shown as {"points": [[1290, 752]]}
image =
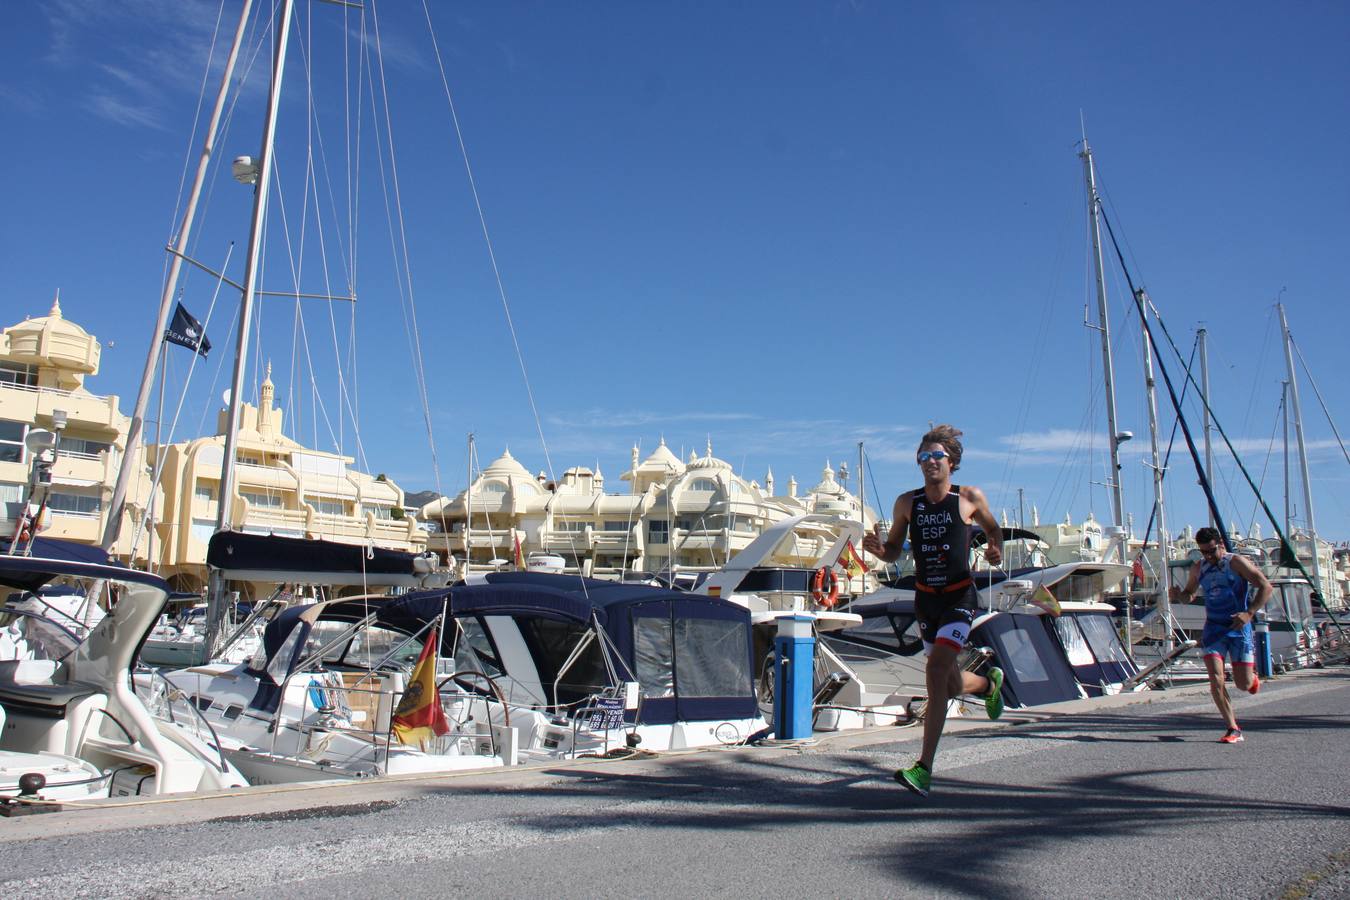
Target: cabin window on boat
{"points": [[1101, 637], [551, 643], [653, 648], [474, 650], [11, 440], [714, 658], [1020, 653], [1075, 645]]}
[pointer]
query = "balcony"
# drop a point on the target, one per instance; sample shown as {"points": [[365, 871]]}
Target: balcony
{"points": [[83, 410]]}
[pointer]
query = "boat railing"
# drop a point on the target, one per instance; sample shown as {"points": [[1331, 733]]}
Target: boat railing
{"points": [[167, 701], [365, 709]]}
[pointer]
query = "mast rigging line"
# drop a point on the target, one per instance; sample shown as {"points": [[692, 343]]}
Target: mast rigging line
{"points": [[1318, 394], [1286, 548], [487, 238]]}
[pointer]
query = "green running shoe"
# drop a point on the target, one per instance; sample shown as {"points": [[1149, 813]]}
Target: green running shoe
{"points": [[916, 778], [993, 701]]}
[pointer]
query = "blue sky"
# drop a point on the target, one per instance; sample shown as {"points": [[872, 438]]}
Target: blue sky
{"points": [[787, 226]]}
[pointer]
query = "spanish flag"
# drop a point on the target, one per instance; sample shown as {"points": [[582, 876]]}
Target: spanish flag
{"points": [[1045, 600], [419, 715], [850, 561], [520, 555]]}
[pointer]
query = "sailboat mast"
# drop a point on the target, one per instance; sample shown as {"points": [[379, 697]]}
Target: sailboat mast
{"points": [[113, 525], [1164, 592], [215, 595], [1284, 424], [1302, 449], [255, 235], [1108, 369], [1203, 337]]}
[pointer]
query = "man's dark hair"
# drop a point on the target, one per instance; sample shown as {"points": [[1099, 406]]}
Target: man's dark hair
{"points": [[1207, 535], [949, 438]]}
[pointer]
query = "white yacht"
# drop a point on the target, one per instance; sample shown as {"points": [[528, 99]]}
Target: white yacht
{"points": [[79, 703]]}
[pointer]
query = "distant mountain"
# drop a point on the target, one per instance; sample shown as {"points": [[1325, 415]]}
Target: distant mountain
{"points": [[415, 500]]}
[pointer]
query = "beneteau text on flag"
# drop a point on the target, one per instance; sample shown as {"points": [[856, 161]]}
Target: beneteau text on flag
{"points": [[185, 331]]}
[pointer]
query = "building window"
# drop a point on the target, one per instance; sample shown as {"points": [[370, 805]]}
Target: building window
{"points": [[658, 531], [202, 529], [256, 499], [74, 504], [83, 446], [612, 525], [329, 507], [11, 440], [573, 526], [11, 500], [205, 492], [18, 374], [378, 511], [493, 487], [703, 484]]}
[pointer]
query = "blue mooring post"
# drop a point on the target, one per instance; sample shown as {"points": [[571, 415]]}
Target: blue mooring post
{"points": [[794, 678], [1261, 630]]}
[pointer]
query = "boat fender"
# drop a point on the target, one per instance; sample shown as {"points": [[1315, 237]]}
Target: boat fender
{"points": [[825, 587]]}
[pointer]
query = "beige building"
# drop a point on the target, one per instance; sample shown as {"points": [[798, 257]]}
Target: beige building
{"points": [[282, 487], [43, 365], [688, 516]]}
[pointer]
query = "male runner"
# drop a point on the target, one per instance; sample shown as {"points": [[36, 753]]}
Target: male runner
{"points": [[1226, 581], [937, 517]]}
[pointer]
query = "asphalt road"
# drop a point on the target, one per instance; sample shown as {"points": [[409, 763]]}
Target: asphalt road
{"points": [[1121, 797]]}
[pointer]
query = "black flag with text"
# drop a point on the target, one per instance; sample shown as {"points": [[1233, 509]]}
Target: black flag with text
{"points": [[186, 331]]}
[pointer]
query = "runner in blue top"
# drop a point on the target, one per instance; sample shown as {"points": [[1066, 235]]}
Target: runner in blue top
{"points": [[1226, 581], [937, 520]]}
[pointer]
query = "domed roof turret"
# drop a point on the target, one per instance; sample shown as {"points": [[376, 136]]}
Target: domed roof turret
{"points": [[707, 462], [52, 340], [506, 466]]}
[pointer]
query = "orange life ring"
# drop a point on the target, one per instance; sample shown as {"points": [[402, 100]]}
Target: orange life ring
{"points": [[825, 587]]}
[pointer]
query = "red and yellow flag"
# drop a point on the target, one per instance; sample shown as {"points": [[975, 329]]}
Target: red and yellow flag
{"points": [[1045, 600], [850, 561], [419, 715], [520, 555]]}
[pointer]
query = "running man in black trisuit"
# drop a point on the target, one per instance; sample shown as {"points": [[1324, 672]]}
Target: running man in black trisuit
{"points": [[937, 519]]}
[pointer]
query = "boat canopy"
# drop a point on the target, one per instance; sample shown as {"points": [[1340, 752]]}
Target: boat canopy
{"points": [[51, 558], [267, 557], [690, 654]]}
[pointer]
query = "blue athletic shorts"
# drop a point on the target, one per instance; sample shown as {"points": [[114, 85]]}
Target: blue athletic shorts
{"points": [[1238, 647]]}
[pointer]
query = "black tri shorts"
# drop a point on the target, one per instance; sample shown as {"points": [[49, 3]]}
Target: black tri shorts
{"points": [[946, 618]]}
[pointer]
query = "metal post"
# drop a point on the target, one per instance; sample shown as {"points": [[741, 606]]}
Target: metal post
{"points": [[1108, 369], [124, 473]]}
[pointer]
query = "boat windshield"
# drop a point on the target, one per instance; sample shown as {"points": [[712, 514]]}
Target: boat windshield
{"points": [[28, 635]]}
